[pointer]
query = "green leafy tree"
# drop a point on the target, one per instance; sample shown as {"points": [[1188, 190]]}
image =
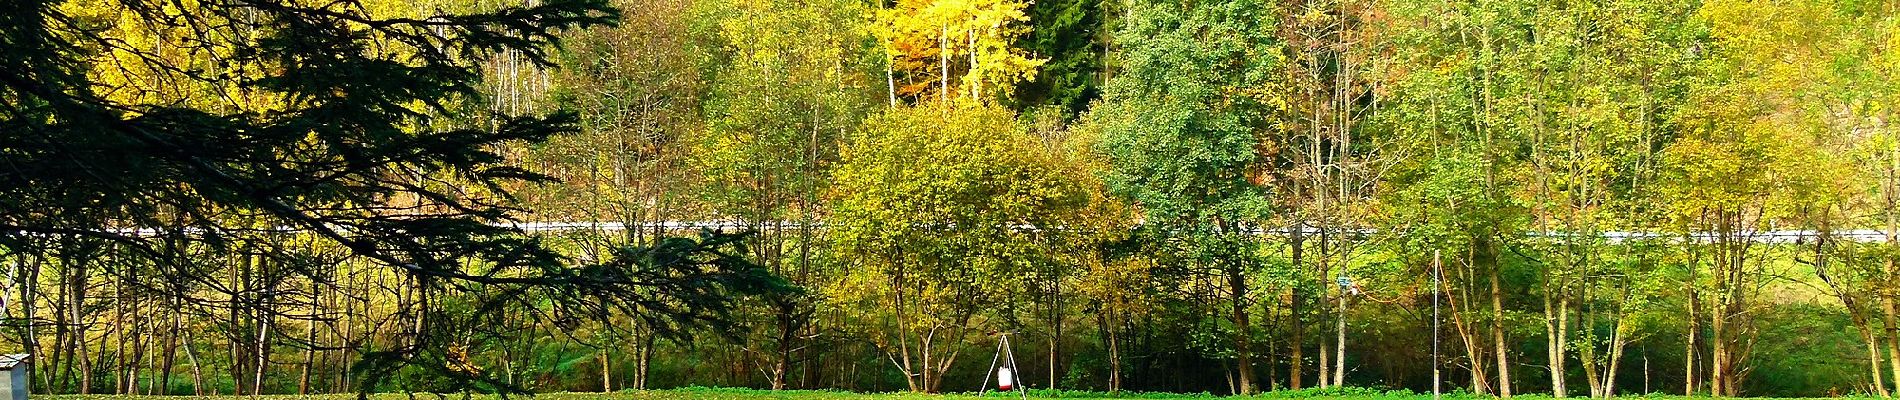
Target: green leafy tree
{"points": [[1073, 35], [794, 83], [1809, 80], [1328, 164], [637, 89], [944, 213], [1464, 121], [1183, 124]]}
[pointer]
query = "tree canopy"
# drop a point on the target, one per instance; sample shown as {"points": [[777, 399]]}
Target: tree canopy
{"points": [[1505, 197]]}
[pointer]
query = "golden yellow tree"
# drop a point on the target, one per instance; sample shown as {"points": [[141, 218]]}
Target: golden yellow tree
{"points": [[930, 43]]}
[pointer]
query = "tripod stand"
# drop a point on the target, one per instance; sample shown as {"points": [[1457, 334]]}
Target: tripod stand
{"points": [[1008, 373]]}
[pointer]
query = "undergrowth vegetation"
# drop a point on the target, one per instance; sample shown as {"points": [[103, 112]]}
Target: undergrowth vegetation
{"points": [[726, 393]]}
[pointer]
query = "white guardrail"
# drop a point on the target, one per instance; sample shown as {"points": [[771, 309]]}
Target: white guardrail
{"points": [[1767, 236]]}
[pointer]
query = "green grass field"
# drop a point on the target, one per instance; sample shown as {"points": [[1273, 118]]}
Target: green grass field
{"points": [[752, 394]]}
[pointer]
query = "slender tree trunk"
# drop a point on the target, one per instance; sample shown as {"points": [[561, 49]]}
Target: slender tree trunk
{"points": [[1556, 318], [903, 332], [235, 334], [975, 81], [197, 373], [1889, 322], [1339, 349], [1343, 98], [1467, 334], [1242, 331], [262, 352], [152, 347], [787, 337], [61, 374], [1888, 290], [262, 317], [943, 65], [1296, 341], [1325, 359], [1055, 320], [81, 352], [645, 355], [1232, 387], [171, 354], [137, 358], [310, 340], [1689, 349], [1550, 343], [1438, 290], [346, 339], [29, 299], [117, 335], [102, 354], [1114, 356], [1874, 361], [1718, 317], [1497, 325], [1587, 354], [890, 74], [1619, 340], [1891, 193], [606, 372], [1326, 370]]}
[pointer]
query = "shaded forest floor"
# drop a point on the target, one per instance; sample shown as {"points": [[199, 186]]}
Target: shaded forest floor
{"points": [[753, 394]]}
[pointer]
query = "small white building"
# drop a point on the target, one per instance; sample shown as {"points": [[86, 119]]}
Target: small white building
{"points": [[13, 378]]}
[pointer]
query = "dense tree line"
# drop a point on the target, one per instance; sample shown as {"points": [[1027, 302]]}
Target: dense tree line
{"points": [[1591, 198]]}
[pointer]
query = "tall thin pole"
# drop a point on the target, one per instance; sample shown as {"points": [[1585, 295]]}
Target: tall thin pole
{"points": [[1435, 287]]}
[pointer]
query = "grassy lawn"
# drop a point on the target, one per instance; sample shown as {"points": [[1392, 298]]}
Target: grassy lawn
{"points": [[751, 394]]}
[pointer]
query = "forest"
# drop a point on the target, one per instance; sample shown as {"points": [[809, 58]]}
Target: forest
{"points": [[1500, 197]]}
